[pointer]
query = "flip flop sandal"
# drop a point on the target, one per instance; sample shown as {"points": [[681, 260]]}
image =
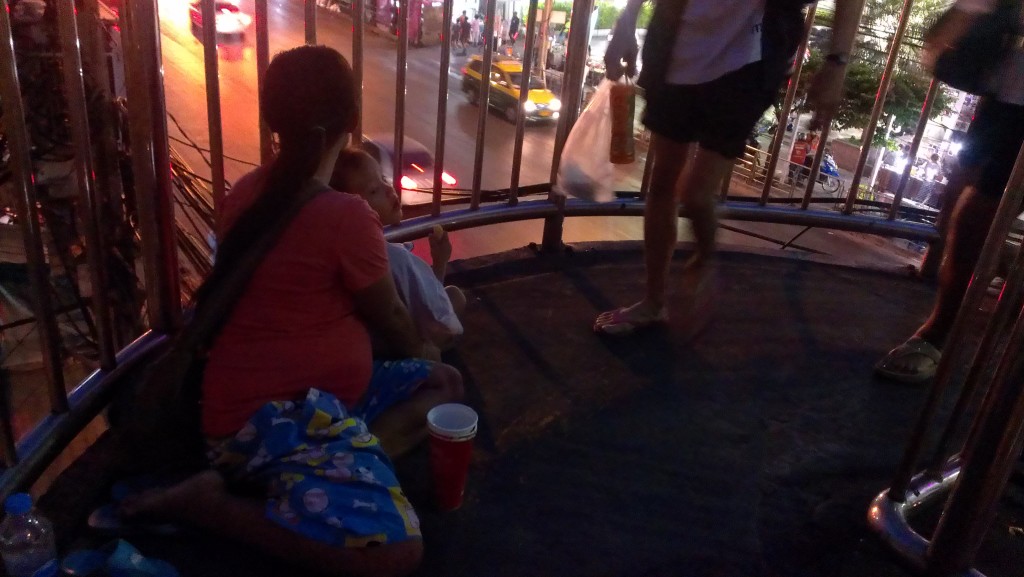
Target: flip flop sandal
{"points": [[116, 559], [105, 518], [915, 346], [614, 323]]}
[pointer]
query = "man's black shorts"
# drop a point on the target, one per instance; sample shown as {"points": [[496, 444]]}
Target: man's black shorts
{"points": [[993, 141], [719, 115]]}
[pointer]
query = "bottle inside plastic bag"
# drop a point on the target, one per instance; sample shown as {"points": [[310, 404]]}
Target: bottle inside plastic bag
{"points": [[585, 170]]}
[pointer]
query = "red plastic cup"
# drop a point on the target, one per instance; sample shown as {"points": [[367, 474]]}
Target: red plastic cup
{"points": [[452, 428]]}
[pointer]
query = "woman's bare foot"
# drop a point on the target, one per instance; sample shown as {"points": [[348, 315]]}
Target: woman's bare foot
{"points": [[176, 503]]}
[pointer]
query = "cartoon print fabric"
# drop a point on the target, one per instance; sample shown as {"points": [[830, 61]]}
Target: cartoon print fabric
{"points": [[326, 476]]}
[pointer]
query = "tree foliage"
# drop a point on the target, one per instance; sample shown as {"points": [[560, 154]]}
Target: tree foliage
{"points": [[910, 82]]}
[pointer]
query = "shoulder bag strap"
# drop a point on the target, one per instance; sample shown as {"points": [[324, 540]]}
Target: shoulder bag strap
{"points": [[208, 319]]}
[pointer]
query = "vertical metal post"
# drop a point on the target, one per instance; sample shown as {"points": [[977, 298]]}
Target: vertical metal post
{"points": [[262, 62], [645, 180], [985, 469], [6, 422], [572, 100], [787, 106], [401, 70], [78, 116], [151, 163], [959, 349], [311, 22], [483, 100], [524, 95], [23, 182], [358, 32], [442, 106], [915, 146], [992, 347], [876, 112], [213, 116]]}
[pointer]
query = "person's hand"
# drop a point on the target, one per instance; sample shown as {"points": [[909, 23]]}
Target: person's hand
{"points": [[440, 247], [621, 53], [826, 92]]}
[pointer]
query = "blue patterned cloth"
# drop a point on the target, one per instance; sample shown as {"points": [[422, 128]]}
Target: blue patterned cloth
{"points": [[326, 476], [392, 382]]}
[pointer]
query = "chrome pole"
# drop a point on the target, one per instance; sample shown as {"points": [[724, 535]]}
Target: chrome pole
{"points": [[483, 101], [401, 70], [645, 180], [572, 100], [358, 32], [78, 117], [262, 62], [7, 442], [311, 22], [524, 95], [915, 146], [151, 163], [23, 182], [442, 106], [876, 112], [992, 347], [959, 349], [787, 106], [213, 115], [986, 463]]}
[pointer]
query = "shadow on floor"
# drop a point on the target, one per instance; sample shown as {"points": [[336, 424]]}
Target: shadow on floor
{"points": [[754, 450]]}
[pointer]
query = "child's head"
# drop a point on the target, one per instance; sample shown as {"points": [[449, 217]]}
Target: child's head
{"points": [[357, 172]]}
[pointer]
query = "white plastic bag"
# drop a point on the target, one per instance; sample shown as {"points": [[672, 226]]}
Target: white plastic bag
{"points": [[585, 171]]}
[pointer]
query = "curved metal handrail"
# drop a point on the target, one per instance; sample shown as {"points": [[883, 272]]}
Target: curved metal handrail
{"points": [[40, 446], [732, 210]]}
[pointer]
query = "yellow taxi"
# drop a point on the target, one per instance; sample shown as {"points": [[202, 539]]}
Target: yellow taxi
{"points": [[506, 79]]}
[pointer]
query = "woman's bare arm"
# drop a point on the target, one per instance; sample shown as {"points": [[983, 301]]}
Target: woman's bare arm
{"points": [[385, 315]]}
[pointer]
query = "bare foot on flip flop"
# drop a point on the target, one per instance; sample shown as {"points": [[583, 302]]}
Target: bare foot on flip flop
{"points": [[914, 362], [173, 503], [628, 320]]}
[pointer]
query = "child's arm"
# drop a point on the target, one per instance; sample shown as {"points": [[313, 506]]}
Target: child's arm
{"points": [[440, 252]]}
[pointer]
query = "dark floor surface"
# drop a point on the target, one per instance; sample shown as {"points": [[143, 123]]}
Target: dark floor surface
{"points": [[751, 451]]}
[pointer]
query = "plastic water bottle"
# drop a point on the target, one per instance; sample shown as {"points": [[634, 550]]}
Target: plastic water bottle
{"points": [[26, 538]]}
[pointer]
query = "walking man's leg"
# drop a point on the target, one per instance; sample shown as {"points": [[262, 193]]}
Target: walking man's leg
{"points": [[661, 223]]}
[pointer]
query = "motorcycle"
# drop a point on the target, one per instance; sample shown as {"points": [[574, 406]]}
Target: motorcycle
{"points": [[828, 176]]}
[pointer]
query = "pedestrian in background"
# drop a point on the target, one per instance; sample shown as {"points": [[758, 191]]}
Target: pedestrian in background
{"points": [[474, 31], [513, 28], [711, 68]]}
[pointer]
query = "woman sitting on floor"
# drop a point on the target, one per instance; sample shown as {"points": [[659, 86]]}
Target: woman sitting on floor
{"points": [[293, 404]]}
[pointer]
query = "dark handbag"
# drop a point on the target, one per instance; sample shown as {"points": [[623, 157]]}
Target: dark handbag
{"points": [[156, 419], [970, 64]]}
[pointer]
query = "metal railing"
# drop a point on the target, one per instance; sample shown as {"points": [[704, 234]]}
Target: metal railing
{"points": [[998, 369]]}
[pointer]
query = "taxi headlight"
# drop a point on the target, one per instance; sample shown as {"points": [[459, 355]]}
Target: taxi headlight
{"points": [[555, 104], [529, 106]]}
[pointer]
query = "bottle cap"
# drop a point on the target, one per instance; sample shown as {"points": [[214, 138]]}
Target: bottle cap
{"points": [[18, 504]]}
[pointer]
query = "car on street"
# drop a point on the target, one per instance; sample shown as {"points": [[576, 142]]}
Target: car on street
{"points": [[417, 162], [506, 80], [231, 22]]}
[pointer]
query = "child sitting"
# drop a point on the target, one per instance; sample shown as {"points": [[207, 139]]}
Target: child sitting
{"points": [[435, 309]]}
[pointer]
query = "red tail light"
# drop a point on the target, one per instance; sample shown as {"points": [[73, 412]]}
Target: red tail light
{"points": [[408, 183], [448, 179]]}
